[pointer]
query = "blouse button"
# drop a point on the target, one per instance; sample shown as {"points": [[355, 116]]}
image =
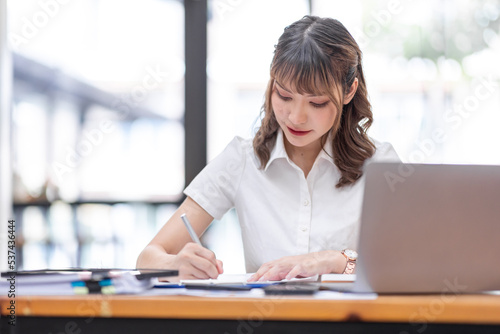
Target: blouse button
{"points": [[306, 202]]}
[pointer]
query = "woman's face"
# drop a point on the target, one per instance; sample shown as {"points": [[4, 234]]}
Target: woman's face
{"points": [[304, 119]]}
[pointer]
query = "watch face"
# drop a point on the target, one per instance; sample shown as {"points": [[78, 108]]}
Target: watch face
{"points": [[352, 254]]}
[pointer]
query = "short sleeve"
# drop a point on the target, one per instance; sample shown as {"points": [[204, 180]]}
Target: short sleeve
{"points": [[215, 187], [385, 152]]}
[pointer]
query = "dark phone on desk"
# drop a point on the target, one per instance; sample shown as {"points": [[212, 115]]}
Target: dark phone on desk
{"points": [[291, 289]]}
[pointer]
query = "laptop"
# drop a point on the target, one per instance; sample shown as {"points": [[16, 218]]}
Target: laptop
{"points": [[429, 229]]}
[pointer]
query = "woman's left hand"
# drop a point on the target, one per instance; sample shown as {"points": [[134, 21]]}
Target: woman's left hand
{"points": [[288, 267]]}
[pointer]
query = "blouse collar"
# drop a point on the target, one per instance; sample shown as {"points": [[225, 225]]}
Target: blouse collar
{"points": [[279, 151]]}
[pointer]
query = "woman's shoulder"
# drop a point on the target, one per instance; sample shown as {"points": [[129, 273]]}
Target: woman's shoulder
{"points": [[238, 148], [240, 145], [384, 151]]}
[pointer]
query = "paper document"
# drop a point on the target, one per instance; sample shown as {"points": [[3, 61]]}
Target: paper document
{"points": [[73, 281], [338, 277], [236, 279]]}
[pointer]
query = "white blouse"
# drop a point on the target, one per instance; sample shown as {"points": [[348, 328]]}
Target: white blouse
{"points": [[281, 212]]}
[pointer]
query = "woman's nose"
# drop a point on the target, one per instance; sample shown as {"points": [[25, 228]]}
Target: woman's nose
{"points": [[297, 115]]}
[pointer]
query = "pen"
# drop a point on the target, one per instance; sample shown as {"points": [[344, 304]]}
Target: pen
{"points": [[192, 233]]}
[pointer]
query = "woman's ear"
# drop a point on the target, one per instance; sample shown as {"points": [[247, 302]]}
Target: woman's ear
{"points": [[352, 91]]}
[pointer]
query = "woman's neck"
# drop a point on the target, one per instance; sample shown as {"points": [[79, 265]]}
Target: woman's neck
{"points": [[303, 157]]}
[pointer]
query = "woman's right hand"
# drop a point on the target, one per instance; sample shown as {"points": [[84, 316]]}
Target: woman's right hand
{"points": [[197, 262], [172, 247]]}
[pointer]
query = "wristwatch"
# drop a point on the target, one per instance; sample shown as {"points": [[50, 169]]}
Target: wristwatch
{"points": [[351, 256]]}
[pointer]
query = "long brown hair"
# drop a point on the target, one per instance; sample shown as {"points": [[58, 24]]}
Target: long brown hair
{"points": [[318, 56]]}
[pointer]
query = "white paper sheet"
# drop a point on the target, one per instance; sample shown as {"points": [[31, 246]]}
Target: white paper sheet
{"points": [[338, 277], [235, 279]]}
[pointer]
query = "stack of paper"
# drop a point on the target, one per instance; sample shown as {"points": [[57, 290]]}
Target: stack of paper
{"points": [[78, 281]]}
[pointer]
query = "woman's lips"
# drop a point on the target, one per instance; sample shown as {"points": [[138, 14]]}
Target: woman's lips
{"points": [[297, 132]]}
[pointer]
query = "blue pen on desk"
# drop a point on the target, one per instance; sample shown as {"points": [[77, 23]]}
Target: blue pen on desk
{"points": [[192, 233]]}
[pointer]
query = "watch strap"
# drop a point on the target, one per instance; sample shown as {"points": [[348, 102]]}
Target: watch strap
{"points": [[350, 264]]}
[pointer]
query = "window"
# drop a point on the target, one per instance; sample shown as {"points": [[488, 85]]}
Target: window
{"points": [[98, 132]]}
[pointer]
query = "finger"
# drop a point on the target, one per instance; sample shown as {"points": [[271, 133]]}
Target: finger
{"points": [[206, 253], [296, 271], [263, 278], [269, 276], [207, 267], [256, 277], [188, 271], [220, 268], [200, 274], [261, 271], [252, 278], [215, 268], [199, 260], [273, 274], [210, 265]]}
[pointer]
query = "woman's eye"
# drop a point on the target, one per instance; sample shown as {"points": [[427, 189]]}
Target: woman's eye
{"points": [[319, 105], [284, 98]]}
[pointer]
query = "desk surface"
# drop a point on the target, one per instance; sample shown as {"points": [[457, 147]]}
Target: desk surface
{"points": [[461, 309]]}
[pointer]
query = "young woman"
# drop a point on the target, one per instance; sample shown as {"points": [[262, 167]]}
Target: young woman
{"points": [[297, 186]]}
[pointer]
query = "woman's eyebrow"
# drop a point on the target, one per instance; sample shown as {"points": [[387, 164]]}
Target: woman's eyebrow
{"points": [[309, 95], [283, 87]]}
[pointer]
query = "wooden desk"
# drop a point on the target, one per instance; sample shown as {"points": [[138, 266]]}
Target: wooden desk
{"points": [[184, 314]]}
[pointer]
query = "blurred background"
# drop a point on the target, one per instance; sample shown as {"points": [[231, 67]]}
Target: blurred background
{"points": [[98, 106]]}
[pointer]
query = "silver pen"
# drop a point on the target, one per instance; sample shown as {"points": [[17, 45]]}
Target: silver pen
{"points": [[192, 233]]}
